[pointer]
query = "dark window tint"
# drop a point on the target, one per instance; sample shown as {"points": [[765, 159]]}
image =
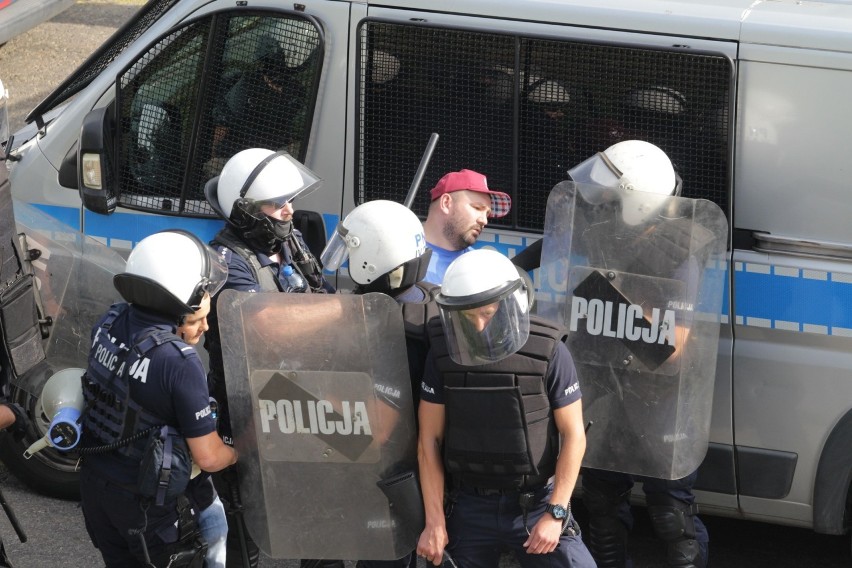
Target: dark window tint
{"points": [[523, 111], [207, 91]]}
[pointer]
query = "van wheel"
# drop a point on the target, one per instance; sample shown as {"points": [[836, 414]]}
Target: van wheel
{"points": [[48, 472]]}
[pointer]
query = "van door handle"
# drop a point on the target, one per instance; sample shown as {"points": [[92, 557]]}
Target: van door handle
{"points": [[765, 242]]}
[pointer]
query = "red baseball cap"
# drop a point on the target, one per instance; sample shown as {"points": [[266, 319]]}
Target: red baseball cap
{"points": [[473, 181]]}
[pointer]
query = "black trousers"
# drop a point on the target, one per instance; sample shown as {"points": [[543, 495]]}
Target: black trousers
{"points": [[113, 514]]}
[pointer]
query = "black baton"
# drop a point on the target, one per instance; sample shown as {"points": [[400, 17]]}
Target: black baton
{"points": [[13, 520], [421, 170]]}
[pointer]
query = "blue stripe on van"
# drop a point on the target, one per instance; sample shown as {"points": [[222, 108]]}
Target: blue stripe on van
{"points": [[793, 299], [768, 296], [68, 215], [124, 229]]}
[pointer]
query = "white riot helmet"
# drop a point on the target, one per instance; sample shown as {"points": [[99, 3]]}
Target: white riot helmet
{"points": [[170, 272], [260, 176], [255, 178], [484, 305], [642, 170], [549, 94], [385, 245]]}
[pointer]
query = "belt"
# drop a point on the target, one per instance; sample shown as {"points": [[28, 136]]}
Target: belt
{"points": [[488, 491]]}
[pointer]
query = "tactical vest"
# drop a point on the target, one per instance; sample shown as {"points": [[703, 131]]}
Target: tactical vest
{"points": [[266, 276], [112, 420], [416, 315], [500, 432]]}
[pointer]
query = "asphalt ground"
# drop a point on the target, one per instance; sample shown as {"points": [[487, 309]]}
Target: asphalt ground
{"points": [[35, 62]]}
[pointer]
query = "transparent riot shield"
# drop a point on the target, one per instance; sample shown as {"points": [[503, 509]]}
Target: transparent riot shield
{"points": [[638, 282], [73, 274], [323, 422]]}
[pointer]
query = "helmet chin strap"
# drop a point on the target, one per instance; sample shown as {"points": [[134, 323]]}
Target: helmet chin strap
{"points": [[260, 231]]}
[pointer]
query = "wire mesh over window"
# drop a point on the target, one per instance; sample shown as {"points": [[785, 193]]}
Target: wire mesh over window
{"points": [[206, 92], [523, 111]]}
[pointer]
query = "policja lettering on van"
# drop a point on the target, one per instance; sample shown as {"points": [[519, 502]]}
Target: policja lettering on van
{"points": [[630, 323], [352, 420]]}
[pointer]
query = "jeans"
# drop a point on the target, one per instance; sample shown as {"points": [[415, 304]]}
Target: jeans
{"points": [[214, 528]]}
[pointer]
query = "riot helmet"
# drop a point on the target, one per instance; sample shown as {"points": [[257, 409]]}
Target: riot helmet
{"points": [[252, 179], [484, 306], [385, 245], [384, 67], [641, 170], [655, 104], [170, 272], [550, 96]]}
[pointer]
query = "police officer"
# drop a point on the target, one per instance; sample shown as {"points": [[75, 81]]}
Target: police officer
{"points": [[148, 408], [255, 196], [270, 92], [386, 249], [671, 503], [500, 414], [264, 253], [387, 253], [546, 150]]}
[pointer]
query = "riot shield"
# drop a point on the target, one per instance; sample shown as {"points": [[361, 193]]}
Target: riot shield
{"points": [[73, 274], [639, 286], [323, 421]]}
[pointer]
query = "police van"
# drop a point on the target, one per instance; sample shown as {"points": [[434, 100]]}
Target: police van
{"points": [[749, 99]]}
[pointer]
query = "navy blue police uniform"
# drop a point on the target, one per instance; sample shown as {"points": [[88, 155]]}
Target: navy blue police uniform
{"points": [[166, 385], [485, 515]]}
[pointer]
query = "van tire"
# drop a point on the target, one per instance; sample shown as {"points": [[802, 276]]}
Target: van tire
{"points": [[48, 472]]}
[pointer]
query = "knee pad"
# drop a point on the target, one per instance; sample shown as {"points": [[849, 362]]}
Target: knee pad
{"points": [[607, 533], [674, 522]]}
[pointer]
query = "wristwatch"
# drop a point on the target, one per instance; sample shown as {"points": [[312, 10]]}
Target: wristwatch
{"points": [[558, 511]]}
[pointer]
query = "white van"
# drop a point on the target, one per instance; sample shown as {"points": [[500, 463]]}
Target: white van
{"points": [[749, 98]]}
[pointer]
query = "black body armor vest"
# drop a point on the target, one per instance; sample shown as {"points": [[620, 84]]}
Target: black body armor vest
{"points": [[416, 315], [500, 432], [112, 420]]}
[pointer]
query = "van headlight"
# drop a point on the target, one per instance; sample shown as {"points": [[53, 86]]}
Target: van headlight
{"points": [[92, 171]]}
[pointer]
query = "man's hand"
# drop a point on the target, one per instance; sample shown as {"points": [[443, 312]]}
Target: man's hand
{"points": [[545, 535], [431, 545]]}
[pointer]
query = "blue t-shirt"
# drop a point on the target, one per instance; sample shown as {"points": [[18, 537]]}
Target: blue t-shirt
{"points": [[561, 382], [441, 259]]}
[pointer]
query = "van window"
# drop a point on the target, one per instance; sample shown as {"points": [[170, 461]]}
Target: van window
{"points": [[203, 93], [523, 110]]}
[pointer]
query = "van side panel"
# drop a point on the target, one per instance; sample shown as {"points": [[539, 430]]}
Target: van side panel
{"points": [[793, 288]]}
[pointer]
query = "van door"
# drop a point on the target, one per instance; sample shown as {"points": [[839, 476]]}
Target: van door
{"points": [[522, 102], [221, 82]]}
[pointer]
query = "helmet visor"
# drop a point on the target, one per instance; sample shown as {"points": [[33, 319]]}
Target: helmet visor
{"points": [[310, 183], [487, 332], [596, 170], [336, 251]]}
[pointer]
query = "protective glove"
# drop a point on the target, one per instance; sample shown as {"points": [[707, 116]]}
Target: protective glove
{"points": [[22, 425]]}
